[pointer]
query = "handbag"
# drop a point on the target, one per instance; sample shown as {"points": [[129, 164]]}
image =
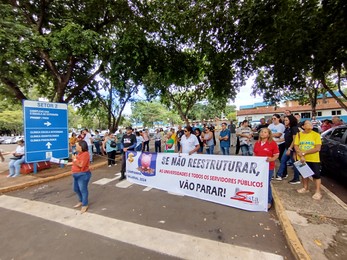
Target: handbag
{"points": [[16, 157], [113, 144]]}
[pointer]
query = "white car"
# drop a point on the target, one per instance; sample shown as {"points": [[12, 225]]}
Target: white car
{"points": [[8, 140], [17, 138]]}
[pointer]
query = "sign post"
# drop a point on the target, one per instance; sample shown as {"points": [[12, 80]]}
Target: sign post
{"points": [[46, 131]]}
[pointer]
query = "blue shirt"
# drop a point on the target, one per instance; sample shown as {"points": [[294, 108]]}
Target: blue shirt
{"points": [[225, 143]]}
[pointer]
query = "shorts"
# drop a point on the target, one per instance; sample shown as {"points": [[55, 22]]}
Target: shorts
{"points": [[315, 167]]}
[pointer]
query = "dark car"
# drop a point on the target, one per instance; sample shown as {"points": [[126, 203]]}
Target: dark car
{"points": [[333, 153]]}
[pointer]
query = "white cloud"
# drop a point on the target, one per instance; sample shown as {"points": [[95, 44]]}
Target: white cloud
{"points": [[244, 97]]}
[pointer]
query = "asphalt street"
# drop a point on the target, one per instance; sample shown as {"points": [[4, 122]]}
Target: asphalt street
{"points": [[127, 221]]}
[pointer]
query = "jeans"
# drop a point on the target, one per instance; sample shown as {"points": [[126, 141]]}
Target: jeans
{"points": [[97, 147], [282, 171], [247, 150], [210, 149], [80, 186], [225, 150], [269, 197], [90, 150], [14, 166], [157, 145], [145, 146]]}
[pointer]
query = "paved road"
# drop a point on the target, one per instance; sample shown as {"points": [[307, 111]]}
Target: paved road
{"points": [[127, 221]]}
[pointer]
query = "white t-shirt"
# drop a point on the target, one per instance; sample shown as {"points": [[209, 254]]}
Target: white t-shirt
{"points": [[280, 128], [20, 149], [189, 144], [87, 139]]}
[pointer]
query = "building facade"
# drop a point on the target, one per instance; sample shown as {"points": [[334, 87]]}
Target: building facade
{"points": [[326, 108]]}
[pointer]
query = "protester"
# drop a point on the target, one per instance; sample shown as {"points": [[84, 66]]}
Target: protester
{"points": [[307, 146], [96, 141], [170, 143], [277, 129], [262, 124], [110, 146], [245, 134], [119, 140], [173, 135], [189, 142], [224, 138], [287, 112], [300, 124], [17, 160], [179, 134], [208, 141], [72, 142], [336, 121], [290, 131], [197, 133], [81, 174], [139, 141], [316, 124], [157, 141], [89, 140], [266, 146], [232, 129], [327, 124], [145, 137], [128, 144]]}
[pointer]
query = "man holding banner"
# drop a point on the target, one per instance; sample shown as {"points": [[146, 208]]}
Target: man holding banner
{"points": [[129, 143]]}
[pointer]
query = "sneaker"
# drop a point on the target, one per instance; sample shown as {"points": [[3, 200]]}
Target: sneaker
{"points": [[303, 190], [294, 182], [109, 166], [115, 164], [317, 196], [285, 177], [278, 178]]}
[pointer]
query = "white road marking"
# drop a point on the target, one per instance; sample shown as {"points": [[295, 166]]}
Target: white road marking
{"points": [[124, 184], [147, 189], [155, 239], [104, 181]]}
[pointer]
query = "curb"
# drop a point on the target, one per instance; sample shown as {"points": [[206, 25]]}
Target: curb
{"points": [[294, 243], [44, 180]]}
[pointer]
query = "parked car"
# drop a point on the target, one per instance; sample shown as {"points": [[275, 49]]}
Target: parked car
{"points": [[333, 152], [8, 140], [2, 140]]}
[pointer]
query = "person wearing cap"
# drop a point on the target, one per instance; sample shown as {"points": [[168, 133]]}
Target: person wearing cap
{"points": [[17, 160], [128, 143]]}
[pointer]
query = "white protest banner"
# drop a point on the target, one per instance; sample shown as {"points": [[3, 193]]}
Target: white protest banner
{"points": [[236, 181]]}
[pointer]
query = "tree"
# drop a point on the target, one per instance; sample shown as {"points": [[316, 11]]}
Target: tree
{"points": [[289, 40], [150, 112]]}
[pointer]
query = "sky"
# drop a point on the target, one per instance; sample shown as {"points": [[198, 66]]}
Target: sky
{"points": [[243, 98]]}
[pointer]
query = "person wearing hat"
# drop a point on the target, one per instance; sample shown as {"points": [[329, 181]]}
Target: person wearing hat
{"points": [[128, 143]]}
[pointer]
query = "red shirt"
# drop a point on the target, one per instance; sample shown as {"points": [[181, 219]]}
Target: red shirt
{"points": [[268, 149], [82, 159]]}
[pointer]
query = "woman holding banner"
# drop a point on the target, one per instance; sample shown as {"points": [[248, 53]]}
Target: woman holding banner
{"points": [[189, 143], [268, 148]]}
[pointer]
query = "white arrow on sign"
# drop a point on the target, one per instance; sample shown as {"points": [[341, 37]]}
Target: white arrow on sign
{"points": [[48, 145], [47, 123]]}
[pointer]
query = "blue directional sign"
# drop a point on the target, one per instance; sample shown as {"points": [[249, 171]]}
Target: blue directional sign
{"points": [[46, 130]]}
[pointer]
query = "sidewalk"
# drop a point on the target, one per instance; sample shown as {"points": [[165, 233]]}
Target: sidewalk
{"points": [[314, 229]]}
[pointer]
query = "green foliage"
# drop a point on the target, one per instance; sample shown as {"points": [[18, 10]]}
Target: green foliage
{"points": [[150, 112], [11, 120]]}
